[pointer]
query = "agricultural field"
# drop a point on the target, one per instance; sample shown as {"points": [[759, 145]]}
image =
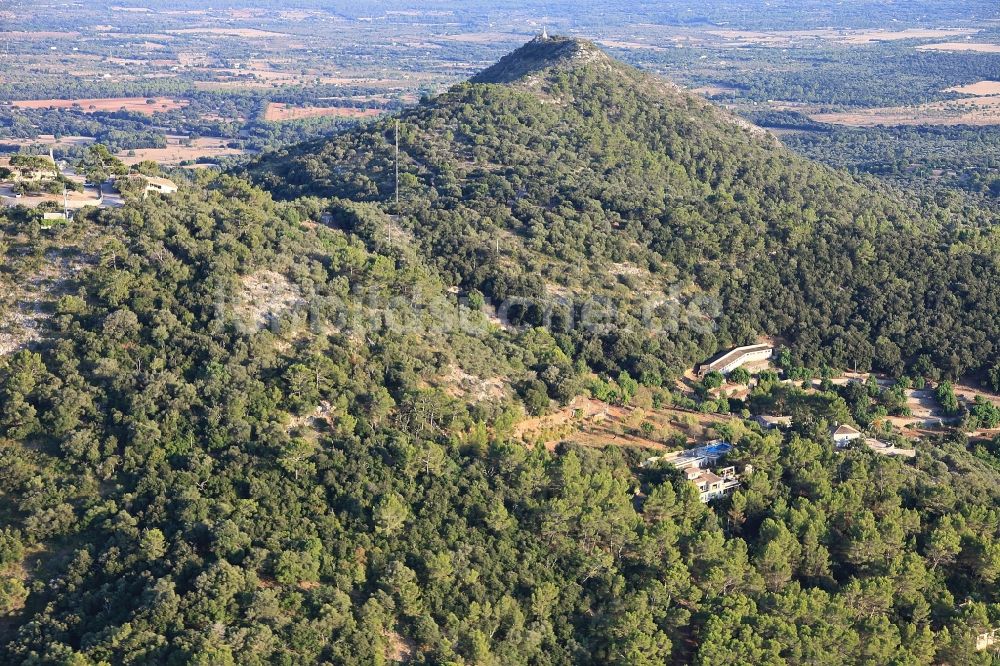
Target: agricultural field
{"points": [[182, 149], [143, 105], [974, 111], [278, 112], [978, 88], [974, 47]]}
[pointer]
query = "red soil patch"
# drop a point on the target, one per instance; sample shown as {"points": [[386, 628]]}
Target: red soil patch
{"points": [[107, 104]]}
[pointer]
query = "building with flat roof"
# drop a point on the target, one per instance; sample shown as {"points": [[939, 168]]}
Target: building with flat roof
{"points": [[701, 456], [735, 358], [768, 422], [986, 639], [161, 185], [712, 485], [152, 183], [695, 464]]}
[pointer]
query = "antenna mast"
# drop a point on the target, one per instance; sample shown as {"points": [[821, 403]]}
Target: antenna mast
{"points": [[397, 166], [389, 233]]}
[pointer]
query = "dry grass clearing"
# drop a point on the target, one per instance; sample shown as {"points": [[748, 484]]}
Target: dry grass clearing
{"points": [[624, 44], [710, 90], [266, 297], [271, 80], [277, 111], [775, 38], [967, 392], [482, 37], [179, 149], [107, 104], [460, 384], [40, 34], [868, 36], [249, 33], [49, 140], [980, 88], [961, 46], [782, 38], [980, 111], [595, 423]]}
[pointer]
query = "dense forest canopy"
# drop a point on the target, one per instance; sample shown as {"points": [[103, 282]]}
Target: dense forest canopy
{"points": [[187, 484], [247, 435]]}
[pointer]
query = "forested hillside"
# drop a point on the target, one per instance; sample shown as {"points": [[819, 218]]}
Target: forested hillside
{"points": [[224, 453], [252, 431], [561, 170]]}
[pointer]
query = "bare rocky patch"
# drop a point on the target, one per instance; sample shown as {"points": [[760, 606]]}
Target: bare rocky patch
{"points": [[460, 384], [29, 300], [265, 298]]}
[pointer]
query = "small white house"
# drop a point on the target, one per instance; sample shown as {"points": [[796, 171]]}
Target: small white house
{"points": [[843, 435]]}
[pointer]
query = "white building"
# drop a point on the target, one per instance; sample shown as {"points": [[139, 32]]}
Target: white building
{"points": [[713, 485], [843, 435], [153, 183], [695, 464], [735, 358], [986, 639], [770, 422], [160, 185]]}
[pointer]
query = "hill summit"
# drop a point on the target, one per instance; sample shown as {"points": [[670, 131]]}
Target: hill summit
{"points": [[540, 54], [561, 173]]}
